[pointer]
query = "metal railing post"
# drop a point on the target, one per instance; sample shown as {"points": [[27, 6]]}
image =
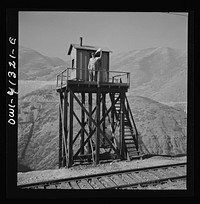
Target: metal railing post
{"points": [[61, 80], [102, 76], [128, 78], [67, 76], [98, 77]]}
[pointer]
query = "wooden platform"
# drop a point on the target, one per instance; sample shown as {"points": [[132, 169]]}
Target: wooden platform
{"points": [[91, 87]]}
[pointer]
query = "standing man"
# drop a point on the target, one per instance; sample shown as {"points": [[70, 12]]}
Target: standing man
{"points": [[93, 66]]}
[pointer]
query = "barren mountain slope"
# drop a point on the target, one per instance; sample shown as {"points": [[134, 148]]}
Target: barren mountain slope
{"points": [[155, 72], [162, 129], [35, 66]]}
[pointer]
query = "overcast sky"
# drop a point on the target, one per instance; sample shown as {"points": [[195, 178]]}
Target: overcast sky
{"points": [[51, 33]]}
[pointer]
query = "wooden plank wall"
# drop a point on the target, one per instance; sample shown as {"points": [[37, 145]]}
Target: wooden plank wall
{"points": [[82, 60]]}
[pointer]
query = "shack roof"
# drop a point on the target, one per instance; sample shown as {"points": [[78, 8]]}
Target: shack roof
{"points": [[86, 47]]}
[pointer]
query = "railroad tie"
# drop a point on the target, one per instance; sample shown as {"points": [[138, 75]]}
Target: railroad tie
{"points": [[83, 184], [64, 185], [118, 180], [107, 182], [74, 185], [96, 183]]}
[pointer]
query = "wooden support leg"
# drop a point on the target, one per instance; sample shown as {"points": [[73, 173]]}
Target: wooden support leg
{"points": [[103, 112], [82, 121], [112, 110], [70, 139], [122, 146], [89, 121], [98, 127], [65, 115], [60, 138]]}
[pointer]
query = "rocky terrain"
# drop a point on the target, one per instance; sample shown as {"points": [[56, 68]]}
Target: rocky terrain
{"points": [[157, 75]]}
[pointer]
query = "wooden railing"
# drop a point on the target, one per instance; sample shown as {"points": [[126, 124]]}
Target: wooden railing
{"points": [[76, 74]]}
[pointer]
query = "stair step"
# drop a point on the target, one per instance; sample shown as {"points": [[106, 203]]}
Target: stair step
{"points": [[136, 156], [133, 155], [129, 150], [129, 140], [128, 133], [128, 136], [132, 152], [130, 147]]}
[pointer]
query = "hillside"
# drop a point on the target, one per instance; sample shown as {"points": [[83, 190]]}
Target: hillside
{"points": [[27, 86], [162, 128], [35, 66], [156, 73]]}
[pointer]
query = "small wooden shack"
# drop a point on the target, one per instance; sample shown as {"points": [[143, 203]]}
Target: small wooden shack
{"points": [[79, 58]]}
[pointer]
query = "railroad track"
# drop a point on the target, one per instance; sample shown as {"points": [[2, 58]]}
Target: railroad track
{"points": [[126, 179]]}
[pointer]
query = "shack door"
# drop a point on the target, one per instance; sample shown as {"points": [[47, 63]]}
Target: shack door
{"points": [[83, 64], [103, 66]]}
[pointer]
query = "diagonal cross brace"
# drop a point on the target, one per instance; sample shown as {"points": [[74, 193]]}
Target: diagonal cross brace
{"points": [[92, 132], [109, 142], [82, 127], [63, 132]]}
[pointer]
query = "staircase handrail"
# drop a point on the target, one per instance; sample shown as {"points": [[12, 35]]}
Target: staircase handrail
{"points": [[129, 110]]}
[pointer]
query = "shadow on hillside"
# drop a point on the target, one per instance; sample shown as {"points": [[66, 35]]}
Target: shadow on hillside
{"points": [[23, 168], [29, 138], [146, 156]]}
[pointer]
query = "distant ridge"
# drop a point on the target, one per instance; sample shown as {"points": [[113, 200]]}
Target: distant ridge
{"points": [[35, 66], [159, 73]]}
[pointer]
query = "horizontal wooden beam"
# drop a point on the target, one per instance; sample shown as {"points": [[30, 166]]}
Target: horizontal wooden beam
{"points": [[93, 89]]}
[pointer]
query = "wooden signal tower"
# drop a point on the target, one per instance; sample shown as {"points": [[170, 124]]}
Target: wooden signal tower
{"points": [[105, 128]]}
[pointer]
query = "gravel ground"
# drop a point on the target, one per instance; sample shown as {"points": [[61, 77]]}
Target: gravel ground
{"points": [[81, 170]]}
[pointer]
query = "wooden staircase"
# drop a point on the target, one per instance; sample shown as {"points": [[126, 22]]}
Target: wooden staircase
{"points": [[130, 130]]}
